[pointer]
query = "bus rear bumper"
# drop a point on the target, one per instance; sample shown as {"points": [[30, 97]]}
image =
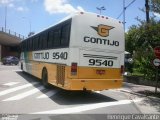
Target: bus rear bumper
{"points": [[95, 84]]}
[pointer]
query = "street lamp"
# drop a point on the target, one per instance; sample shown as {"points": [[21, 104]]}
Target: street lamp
{"points": [[100, 9]]}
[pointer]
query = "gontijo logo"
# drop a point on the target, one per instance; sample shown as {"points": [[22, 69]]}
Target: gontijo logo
{"points": [[103, 30]]}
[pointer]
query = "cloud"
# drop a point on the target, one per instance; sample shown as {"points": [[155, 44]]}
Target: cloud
{"points": [[33, 1], [60, 6], [21, 9], [157, 14], [8, 3], [5, 2], [18, 5], [11, 5]]}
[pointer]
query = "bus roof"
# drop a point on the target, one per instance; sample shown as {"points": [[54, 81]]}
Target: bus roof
{"points": [[71, 16]]}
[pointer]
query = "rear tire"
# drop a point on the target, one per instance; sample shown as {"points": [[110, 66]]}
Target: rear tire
{"points": [[45, 78]]}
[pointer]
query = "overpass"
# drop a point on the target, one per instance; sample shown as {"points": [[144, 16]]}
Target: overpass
{"points": [[9, 42]]}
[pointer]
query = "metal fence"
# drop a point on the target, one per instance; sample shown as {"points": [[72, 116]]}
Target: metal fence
{"points": [[2, 29]]}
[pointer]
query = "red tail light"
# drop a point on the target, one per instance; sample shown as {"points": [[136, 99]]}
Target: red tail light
{"points": [[122, 69], [74, 69]]}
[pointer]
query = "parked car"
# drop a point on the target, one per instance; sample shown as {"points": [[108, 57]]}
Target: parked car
{"points": [[10, 60]]}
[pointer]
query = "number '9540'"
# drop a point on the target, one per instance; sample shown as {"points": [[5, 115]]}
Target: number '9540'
{"points": [[99, 62]]}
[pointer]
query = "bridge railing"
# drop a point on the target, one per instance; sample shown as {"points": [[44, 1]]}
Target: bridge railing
{"points": [[8, 31]]}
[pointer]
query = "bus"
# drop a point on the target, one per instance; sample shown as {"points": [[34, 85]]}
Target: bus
{"points": [[82, 52]]}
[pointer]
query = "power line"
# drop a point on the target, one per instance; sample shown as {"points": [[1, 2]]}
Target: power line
{"points": [[130, 4], [125, 8], [120, 15]]}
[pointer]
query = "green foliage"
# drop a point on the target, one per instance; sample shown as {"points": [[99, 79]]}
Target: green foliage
{"points": [[140, 41], [155, 6]]}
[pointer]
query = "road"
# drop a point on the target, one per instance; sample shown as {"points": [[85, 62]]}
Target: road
{"points": [[21, 93]]}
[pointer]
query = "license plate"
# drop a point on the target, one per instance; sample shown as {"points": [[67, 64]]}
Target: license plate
{"points": [[100, 72]]}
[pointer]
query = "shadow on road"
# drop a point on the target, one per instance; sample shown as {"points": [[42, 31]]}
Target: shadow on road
{"points": [[64, 97], [79, 97], [154, 102], [28, 77]]}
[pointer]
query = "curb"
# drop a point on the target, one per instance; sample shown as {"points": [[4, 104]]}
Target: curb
{"points": [[138, 94]]}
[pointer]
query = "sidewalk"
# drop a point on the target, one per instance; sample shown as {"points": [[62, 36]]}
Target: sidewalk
{"points": [[150, 103], [142, 90]]}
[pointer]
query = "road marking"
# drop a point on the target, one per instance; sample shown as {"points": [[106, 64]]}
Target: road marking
{"points": [[87, 107], [97, 91], [125, 90], [11, 83], [25, 94], [48, 94], [17, 88], [17, 70]]}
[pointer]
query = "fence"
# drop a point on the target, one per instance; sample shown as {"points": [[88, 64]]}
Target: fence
{"points": [[2, 29]]}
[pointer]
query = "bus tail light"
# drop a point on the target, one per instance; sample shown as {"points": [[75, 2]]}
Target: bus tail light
{"points": [[122, 69], [74, 69]]}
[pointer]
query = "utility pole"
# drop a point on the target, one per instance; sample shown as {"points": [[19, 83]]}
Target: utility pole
{"points": [[147, 10], [124, 15], [5, 22]]}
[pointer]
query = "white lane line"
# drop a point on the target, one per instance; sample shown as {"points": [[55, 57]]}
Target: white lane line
{"points": [[11, 83], [48, 94], [87, 107], [17, 88], [25, 94], [97, 91], [123, 89]]}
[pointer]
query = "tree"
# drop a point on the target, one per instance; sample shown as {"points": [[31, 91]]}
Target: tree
{"points": [[141, 40], [155, 6]]}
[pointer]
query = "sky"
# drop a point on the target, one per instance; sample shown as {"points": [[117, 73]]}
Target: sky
{"points": [[23, 16]]}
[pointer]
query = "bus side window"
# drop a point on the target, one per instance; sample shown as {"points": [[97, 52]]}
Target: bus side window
{"points": [[24, 45], [57, 34], [36, 43], [50, 39], [45, 41], [33, 43], [65, 35], [41, 42], [30, 44]]}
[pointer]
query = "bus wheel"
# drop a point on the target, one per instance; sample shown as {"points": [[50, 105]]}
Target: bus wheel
{"points": [[45, 78]]}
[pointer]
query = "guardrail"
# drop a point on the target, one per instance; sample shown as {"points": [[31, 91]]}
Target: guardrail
{"points": [[2, 29]]}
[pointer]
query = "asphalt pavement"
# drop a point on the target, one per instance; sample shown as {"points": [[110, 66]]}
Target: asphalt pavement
{"points": [[24, 97]]}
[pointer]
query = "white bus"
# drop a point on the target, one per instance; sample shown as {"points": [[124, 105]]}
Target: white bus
{"points": [[82, 52]]}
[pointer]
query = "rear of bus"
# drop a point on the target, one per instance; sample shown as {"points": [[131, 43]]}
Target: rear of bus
{"points": [[96, 52]]}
